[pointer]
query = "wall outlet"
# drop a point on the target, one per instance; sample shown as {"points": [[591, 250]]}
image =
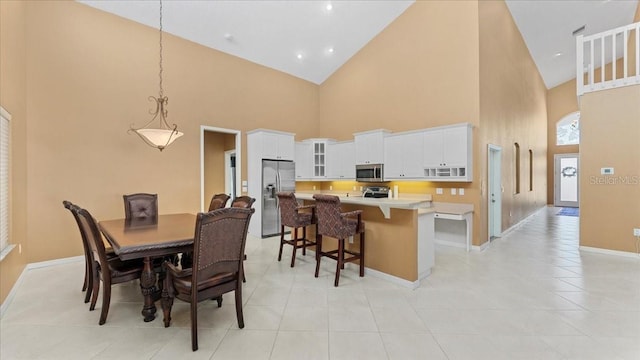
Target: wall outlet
{"points": [[354, 188], [330, 187], [461, 191], [636, 232], [439, 191], [314, 187], [360, 188], [453, 191], [19, 248]]}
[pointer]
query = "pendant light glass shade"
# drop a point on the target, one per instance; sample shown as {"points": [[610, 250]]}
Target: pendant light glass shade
{"points": [[164, 135]]}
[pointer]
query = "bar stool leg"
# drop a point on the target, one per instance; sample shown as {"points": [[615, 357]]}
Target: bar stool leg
{"points": [[304, 241], [281, 242], [340, 264], [362, 254], [318, 251], [294, 239]]}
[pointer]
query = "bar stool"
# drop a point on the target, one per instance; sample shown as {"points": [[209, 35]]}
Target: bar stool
{"points": [[333, 223], [291, 216]]}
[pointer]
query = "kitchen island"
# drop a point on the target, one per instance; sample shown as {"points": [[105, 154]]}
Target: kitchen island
{"points": [[399, 235]]}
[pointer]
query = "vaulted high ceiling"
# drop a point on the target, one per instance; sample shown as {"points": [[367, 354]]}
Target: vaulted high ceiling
{"points": [[312, 39]]}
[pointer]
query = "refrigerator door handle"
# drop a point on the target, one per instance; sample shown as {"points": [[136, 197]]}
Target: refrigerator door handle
{"points": [[277, 189]]}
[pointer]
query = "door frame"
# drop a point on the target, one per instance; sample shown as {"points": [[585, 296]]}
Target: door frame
{"points": [[228, 189], [556, 181], [494, 183], [238, 152]]}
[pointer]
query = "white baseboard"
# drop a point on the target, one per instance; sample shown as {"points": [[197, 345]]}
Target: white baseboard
{"points": [[38, 265], [461, 245], [389, 278], [610, 252], [521, 222]]}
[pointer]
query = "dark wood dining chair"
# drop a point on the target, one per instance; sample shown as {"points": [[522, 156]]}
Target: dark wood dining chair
{"points": [[295, 216], [88, 274], [140, 205], [111, 270], [333, 223], [218, 201], [245, 202], [218, 245], [88, 262]]}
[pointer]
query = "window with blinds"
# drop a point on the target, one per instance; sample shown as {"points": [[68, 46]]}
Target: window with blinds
{"points": [[4, 181]]}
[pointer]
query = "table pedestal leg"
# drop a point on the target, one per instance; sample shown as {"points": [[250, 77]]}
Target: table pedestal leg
{"points": [[148, 287]]}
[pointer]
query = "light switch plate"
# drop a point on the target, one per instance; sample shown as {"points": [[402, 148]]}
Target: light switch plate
{"points": [[244, 182], [453, 191], [461, 191], [439, 191]]}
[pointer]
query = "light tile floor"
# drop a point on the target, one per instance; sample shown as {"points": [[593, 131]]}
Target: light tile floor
{"points": [[529, 295]]}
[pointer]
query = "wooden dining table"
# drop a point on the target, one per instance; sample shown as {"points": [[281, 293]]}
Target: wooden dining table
{"points": [[146, 239]]}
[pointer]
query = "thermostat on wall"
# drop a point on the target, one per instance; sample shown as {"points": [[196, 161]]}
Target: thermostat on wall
{"points": [[606, 171]]}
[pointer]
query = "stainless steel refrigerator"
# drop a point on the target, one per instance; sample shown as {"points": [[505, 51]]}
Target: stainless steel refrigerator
{"points": [[277, 175]]}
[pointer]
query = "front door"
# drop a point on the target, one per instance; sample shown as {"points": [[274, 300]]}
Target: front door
{"points": [[566, 180]]}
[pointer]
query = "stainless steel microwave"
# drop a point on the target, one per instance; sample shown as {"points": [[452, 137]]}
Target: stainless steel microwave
{"points": [[370, 173]]}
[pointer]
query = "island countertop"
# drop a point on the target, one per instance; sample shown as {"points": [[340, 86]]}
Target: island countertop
{"points": [[385, 204]]}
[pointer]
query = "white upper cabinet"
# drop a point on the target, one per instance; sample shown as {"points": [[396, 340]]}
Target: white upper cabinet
{"points": [[277, 145], [341, 161], [370, 147], [403, 156], [448, 153], [303, 157]]}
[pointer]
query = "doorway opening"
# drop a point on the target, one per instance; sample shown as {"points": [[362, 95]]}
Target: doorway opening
{"points": [[494, 182], [220, 159], [566, 179]]}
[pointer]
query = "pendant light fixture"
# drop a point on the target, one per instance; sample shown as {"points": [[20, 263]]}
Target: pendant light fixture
{"points": [[164, 135]]}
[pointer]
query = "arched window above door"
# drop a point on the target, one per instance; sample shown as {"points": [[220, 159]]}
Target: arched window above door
{"points": [[568, 130]]}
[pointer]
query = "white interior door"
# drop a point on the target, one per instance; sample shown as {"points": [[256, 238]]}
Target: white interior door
{"points": [[494, 191], [566, 180]]}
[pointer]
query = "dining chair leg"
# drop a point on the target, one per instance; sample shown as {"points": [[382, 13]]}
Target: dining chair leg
{"points": [[239, 315], [318, 251], [340, 261], [194, 325], [95, 291], [167, 303], [86, 274], [106, 300], [89, 278]]}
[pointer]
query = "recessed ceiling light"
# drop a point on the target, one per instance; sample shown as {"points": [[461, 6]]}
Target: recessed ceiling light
{"points": [[330, 50], [558, 54], [329, 7], [299, 56], [228, 37]]}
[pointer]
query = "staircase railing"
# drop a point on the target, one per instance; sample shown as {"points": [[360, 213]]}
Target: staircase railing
{"points": [[608, 59]]}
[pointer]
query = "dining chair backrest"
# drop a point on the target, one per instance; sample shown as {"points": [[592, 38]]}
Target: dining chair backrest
{"points": [[218, 201], [140, 205], [219, 242], [89, 226], [245, 202], [73, 209]]}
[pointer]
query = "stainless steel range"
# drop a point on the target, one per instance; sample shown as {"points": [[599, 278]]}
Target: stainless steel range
{"points": [[376, 191]]}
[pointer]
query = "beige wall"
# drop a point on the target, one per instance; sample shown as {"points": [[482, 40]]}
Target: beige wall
{"points": [[562, 100], [512, 109], [609, 133], [13, 98], [87, 87]]}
